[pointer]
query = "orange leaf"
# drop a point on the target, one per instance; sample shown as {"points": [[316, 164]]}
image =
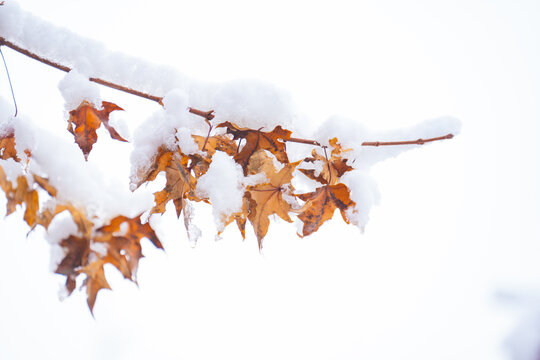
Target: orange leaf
{"points": [[180, 184], [7, 147], [267, 199], [86, 119], [22, 194], [95, 281], [215, 143], [321, 204], [135, 230]]}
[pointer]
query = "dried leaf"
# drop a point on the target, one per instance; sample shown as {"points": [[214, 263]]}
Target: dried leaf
{"points": [[117, 243], [161, 160], [215, 143], [180, 184], [267, 199], [7, 147], [321, 204], [22, 194], [333, 168], [45, 185], [256, 139], [136, 230], [95, 281], [86, 119], [76, 251]]}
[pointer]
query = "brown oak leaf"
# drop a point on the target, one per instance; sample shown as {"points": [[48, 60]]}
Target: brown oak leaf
{"points": [[321, 204], [86, 119], [256, 139]]}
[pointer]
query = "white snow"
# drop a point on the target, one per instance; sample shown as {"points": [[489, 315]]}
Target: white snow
{"points": [[193, 231], [248, 103], [60, 228], [364, 193], [223, 185], [76, 88]]}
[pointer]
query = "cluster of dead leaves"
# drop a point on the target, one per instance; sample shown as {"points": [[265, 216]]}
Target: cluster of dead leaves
{"points": [[118, 243], [261, 201], [87, 252], [275, 196]]}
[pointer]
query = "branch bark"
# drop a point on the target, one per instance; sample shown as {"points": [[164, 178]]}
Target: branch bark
{"points": [[65, 68]]}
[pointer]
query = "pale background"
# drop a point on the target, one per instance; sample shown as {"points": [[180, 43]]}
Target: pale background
{"points": [[458, 221]]}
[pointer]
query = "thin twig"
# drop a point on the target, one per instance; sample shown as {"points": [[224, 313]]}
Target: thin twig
{"points": [[208, 115], [303, 141], [112, 85], [9, 79], [409, 142]]}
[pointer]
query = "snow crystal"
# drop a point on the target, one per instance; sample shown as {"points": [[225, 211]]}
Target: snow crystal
{"points": [[223, 185], [76, 88]]}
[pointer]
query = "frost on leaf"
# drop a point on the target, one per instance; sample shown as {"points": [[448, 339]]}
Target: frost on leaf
{"points": [[86, 119]]}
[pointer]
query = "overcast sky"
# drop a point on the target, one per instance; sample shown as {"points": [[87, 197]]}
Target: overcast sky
{"points": [[457, 222]]}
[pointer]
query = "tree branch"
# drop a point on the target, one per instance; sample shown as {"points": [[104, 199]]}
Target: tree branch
{"points": [[58, 66], [207, 115]]}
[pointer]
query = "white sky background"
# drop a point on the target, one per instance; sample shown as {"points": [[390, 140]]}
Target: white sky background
{"points": [[458, 220]]}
